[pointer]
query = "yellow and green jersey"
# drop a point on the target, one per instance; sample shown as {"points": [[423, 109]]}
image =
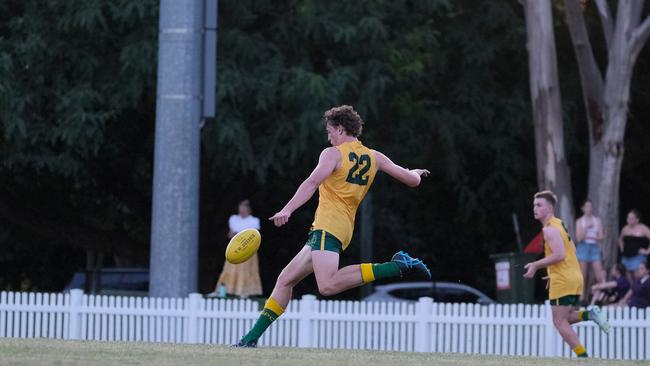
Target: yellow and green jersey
{"points": [[342, 192], [565, 276]]}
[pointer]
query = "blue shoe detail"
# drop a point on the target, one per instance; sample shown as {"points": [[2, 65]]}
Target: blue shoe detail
{"points": [[409, 265]]}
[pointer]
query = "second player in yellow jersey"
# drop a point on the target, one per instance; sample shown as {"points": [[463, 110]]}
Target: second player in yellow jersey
{"points": [[565, 276]]}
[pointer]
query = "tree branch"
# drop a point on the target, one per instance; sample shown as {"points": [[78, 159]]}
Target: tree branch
{"points": [[579, 36], [640, 37], [591, 77], [637, 9], [606, 19]]}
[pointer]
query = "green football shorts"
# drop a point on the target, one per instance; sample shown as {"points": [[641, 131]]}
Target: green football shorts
{"points": [[568, 300], [322, 240]]}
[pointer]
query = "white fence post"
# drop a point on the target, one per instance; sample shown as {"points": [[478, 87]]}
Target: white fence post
{"points": [[305, 333], [74, 326], [422, 328], [193, 318], [550, 333]]}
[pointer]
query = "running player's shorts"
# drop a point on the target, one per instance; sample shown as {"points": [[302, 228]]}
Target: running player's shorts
{"points": [[568, 300], [322, 240]]}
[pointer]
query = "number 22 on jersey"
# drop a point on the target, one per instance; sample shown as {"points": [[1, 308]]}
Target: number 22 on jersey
{"points": [[358, 174]]}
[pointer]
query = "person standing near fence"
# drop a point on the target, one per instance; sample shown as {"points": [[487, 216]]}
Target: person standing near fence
{"points": [[589, 233], [343, 175], [241, 279], [565, 278]]}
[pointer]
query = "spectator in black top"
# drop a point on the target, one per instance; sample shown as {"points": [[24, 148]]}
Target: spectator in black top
{"points": [[634, 243]]}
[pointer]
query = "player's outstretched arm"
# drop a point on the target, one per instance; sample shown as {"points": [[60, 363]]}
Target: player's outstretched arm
{"points": [[327, 162], [554, 240], [410, 177]]}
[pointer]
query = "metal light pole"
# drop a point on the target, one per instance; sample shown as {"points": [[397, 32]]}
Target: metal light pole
{"points": [[175, 212]]}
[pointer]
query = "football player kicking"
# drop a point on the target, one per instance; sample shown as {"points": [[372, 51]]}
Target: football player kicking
{"points": [[344, 173]]}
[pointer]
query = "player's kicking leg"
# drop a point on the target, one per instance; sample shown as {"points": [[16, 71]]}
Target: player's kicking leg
{"points": [[332, 280], [592, 313], [299, 268]]}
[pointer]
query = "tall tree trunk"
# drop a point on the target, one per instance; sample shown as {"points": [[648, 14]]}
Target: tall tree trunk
{"points": [[552, 167], [606, 102], [606, 200], [610, 149]]}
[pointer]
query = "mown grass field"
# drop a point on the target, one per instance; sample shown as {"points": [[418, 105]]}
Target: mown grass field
{"points": [[56, 352]]}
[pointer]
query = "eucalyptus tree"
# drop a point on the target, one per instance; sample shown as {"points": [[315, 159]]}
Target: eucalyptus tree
{"points": [[606, 97], [552, 163]]}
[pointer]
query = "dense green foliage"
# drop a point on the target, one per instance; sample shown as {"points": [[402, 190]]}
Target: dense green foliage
{"points": [[442, 85], [77, 97]]}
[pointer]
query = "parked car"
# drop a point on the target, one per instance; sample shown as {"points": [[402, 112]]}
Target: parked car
{"points": [[112, 281], [439, 291]]}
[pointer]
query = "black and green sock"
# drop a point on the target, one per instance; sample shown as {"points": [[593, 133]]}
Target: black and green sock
{"points": [[583, 315], [272, 310]]}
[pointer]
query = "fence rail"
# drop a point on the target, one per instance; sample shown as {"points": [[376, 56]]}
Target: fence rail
{"points": [[424, 326]]}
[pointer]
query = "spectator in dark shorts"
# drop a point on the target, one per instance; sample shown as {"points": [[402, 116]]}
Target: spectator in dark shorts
{"points": [[639, 295], [612, 291], [634, 243]]}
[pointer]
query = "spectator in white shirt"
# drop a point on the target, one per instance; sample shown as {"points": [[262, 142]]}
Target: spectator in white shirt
{"points": [[242, 279]]}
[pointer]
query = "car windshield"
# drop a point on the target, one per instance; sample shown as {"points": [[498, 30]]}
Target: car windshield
{"points": [[412, 293], [125, 281], [113, 280], [456, 295]]}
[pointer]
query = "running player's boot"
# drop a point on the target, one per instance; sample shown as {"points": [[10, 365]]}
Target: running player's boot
{"points": [[599, 318], [410, 266], [242, 344]]}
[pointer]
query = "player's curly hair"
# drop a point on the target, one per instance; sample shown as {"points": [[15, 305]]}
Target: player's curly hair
{"points": [[346, 117]]}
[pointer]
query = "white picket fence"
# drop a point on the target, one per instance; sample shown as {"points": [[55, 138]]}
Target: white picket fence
{"points": [[422, 327]]}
